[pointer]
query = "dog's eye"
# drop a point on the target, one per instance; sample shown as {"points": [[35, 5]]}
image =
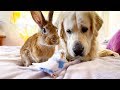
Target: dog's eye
{"points": [[69, 31], [84, 29], [44, 31]]}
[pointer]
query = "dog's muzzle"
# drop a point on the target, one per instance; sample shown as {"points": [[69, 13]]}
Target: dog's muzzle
{"points": [[78, 49]]}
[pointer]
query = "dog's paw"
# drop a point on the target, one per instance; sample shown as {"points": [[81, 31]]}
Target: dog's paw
{"points": [[115, 54], [106, 52]]}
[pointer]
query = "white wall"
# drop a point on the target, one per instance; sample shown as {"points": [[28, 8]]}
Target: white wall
{"points": [[110, 26], [114, 22], [9, 29], [103, 32], [55, 15], [12, 37]]}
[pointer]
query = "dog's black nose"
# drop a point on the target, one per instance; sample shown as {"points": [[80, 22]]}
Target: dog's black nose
{"points": [[78, 49]]}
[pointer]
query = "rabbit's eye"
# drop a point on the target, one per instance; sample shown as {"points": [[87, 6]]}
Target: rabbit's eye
{"points": [[44, 30]]}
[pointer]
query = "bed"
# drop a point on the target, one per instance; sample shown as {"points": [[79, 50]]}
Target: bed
{"points": [[99, 68]]}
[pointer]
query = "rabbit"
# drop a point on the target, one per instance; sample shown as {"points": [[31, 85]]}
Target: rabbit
{"points": [[41, 46]]}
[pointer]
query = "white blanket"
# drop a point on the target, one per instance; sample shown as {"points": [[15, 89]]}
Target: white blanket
{"points": [[99, 68]]}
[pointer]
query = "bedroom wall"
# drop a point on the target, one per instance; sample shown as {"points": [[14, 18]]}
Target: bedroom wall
{"points": [[114, 22], [9, 29], [12, 37], [103, 32], [110, 26]]}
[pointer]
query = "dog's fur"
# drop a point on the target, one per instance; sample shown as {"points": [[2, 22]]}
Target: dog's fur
{"points": [[75, 21]]}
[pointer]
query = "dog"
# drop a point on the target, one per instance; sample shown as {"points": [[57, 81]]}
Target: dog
{"points": [[78, 31]]}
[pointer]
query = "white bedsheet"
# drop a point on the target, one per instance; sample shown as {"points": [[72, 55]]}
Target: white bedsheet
{"points": [[99, 68]]}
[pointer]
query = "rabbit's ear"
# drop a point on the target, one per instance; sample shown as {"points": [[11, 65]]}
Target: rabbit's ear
{"points": [[50, 16], [38, 18]]}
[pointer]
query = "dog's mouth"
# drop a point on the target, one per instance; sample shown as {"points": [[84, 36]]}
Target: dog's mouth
{"points": [[75, 58], [79, 54]]}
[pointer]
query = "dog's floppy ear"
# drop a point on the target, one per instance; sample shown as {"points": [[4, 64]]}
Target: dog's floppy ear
{"points": [[62, 32], [38, 18], [60, 25], [97, 21]]}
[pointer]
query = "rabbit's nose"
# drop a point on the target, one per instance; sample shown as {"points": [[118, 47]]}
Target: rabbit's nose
{"points": [[55, 39]]}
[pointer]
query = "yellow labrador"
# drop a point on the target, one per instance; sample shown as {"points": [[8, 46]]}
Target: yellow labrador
{"points": [[78, 31]]}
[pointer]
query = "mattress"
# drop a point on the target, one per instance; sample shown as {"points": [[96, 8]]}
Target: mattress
{"points": [[98, 68]]}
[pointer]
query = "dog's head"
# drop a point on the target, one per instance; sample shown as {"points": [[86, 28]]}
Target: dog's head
{"points": [[79, 30]]}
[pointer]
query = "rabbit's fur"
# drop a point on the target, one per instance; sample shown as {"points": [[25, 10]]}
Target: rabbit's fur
{"points": [[41, 46]]}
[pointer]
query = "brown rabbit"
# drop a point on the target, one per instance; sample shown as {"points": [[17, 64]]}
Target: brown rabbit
{"points": [[41, 46]]}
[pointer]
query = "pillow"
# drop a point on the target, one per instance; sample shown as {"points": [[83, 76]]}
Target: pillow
{"points": [[114, 43]]}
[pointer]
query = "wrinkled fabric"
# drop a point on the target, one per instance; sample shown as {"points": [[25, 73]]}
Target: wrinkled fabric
{"points": [[99, 68]]}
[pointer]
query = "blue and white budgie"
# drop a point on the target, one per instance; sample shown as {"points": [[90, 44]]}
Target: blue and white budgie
{"points": [[54, 66]]}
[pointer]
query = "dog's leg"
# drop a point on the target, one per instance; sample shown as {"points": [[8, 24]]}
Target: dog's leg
{"points": [[107, 52]]}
